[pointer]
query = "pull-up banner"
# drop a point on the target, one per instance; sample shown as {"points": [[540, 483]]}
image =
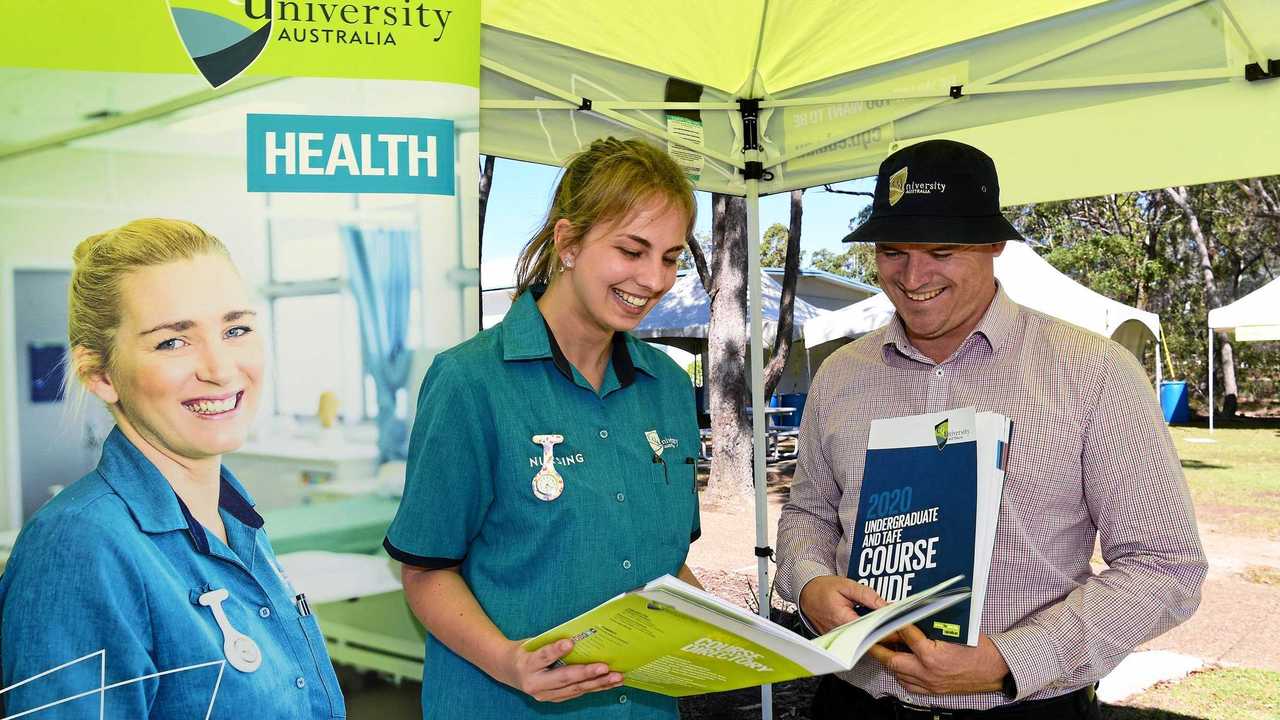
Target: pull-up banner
{"points": [[332, 149]]}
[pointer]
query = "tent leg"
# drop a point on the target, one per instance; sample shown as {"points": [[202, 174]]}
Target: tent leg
{"points": [[1210, 380], [758, 403], [1159, 366]]}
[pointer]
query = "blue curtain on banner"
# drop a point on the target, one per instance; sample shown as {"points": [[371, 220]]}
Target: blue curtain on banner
{"points": [[380, 266]]}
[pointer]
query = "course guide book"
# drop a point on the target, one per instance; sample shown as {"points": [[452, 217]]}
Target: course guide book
{"points": [[671, 638], [928, 507]]}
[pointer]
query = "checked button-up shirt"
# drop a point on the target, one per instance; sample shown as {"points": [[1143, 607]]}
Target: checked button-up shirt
{"points": [[1090, 459]]}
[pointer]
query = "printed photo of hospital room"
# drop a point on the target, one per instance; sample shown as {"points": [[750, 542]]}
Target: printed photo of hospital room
{"points": [[354, 295]]}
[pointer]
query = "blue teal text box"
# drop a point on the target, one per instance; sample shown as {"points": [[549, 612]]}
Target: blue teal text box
{"points": [[349, 154]]}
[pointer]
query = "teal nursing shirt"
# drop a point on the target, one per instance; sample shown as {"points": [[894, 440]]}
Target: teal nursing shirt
{"points": [[626, 515], [113, 567]]}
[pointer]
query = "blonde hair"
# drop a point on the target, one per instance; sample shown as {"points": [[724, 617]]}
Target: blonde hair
{"points": [[605, 182], [101, 263]]}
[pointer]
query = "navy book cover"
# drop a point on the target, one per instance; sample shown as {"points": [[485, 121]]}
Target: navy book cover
{"points": [[916, 518]]}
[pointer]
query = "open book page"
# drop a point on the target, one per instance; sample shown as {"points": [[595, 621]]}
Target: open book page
{"points": [[849, 642], [674, 639], [762, 633], [685, 650]]}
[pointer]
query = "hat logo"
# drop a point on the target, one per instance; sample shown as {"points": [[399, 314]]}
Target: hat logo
{"points": [[897, 186]]}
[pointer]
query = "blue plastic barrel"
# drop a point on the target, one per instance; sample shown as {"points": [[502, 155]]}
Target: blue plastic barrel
{"points": [[1173, 401], [796, 401]]}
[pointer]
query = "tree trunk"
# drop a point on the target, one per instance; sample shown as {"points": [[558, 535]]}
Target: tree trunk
{"points": [[1229, 400], [786, 304], [700, 265], [1206, 251], [486, 181], [731, 482]]}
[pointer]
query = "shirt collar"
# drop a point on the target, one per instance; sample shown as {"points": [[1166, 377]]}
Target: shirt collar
{"points": [[155, 507], [995, 327], [526, 336]]}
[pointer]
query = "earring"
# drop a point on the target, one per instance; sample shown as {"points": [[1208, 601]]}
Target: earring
{"points": [[567, 262]]}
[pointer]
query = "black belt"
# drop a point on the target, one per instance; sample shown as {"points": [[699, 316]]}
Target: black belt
{"points": [[1077, 701]]}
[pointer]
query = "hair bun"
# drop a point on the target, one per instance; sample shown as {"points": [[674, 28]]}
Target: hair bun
{"points": [[86, 246]]}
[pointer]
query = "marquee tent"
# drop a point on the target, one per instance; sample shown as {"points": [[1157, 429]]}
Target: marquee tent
{"points": [[1070, 97], [1255, 316], [1030, 280], [683, 316]]}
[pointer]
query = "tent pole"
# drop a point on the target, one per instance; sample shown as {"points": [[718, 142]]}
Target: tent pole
{"points": [[1210, 380], [1159, 362], [758, 403]]}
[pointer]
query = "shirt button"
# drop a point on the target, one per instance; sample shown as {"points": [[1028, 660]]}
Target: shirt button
{"points": [[626, 564], [622, 698], [604, 434], [264, 612], [620, 497], [939, 372], [300, 682]]}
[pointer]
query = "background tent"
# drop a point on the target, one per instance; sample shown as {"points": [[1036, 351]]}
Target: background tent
{"points": [[683, 316], [1255, 316], [1029, 280], [769, 95]]}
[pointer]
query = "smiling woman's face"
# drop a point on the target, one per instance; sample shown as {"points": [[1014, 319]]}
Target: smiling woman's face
{"points": [[621, 269], [187, 360]]}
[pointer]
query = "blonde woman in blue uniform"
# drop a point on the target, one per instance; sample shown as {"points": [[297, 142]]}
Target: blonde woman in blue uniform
{"points": [[551, 464], [152, 575]]}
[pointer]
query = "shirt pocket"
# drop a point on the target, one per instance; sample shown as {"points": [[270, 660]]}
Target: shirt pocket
{"points": [[324, 667], [675, 479]]}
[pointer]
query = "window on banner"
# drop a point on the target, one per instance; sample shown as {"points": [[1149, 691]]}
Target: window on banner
{"points": [[315, 319]]}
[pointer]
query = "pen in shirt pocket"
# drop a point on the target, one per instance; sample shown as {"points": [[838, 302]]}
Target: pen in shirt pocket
{"points": [[300, 602]]}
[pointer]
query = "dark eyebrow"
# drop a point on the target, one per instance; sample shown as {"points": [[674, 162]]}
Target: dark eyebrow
{"points": [[638, 239], [649, 245], [176, 326], [183, 325]]}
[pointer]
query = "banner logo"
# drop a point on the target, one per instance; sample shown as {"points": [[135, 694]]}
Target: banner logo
{"points": [[940, 433], [221, 38], [349, 154], [897, 186]]}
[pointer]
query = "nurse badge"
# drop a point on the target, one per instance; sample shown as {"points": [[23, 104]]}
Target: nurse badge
{"points": [[241, 651], [547, 484]]}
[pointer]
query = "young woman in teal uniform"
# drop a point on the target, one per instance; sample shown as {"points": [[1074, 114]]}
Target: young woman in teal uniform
{"points": [[148, 588], [551, 464]]}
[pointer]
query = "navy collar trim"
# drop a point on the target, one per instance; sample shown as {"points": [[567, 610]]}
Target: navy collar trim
{"points": [[623, 367], [229, 499]]}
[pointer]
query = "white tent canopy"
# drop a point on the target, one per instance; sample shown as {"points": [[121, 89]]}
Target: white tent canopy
{"points": [[685, 312], [849, 322], [1254, 317], [1029, 280]]}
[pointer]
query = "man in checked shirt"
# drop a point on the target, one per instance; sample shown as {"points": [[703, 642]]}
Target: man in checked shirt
{"points": [[1090, 458]]}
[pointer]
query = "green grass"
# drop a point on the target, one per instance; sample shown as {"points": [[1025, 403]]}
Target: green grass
{"points": [[1214, 694], [1235, 481]]}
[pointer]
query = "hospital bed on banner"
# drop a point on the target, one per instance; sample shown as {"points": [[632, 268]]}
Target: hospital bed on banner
{"points": [[332, 552]]}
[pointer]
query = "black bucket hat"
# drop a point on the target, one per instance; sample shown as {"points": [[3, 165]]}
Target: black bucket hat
{"points": [[937, 191]]}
